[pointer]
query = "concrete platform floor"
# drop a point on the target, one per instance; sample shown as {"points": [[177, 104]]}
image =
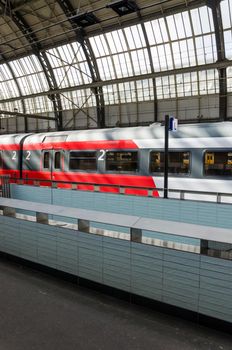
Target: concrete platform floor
{"points": [[39, 311]]}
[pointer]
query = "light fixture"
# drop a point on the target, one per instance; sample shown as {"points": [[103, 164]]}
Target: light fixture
{"points": [[85, 19], [123, 7]]}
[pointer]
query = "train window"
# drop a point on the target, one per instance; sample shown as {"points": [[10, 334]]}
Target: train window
{"points": [[46, 160], [57, 160], [123, 161], [55, 138], [83, 161], [178, 162], [218, 163]]}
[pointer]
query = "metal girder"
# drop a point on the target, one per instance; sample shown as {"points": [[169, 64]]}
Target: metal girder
{"points": [[20, 93], [151, 65], [214, 5], [69, 11], [25, 115], [36, 47], [160, 12], [215, 65]]}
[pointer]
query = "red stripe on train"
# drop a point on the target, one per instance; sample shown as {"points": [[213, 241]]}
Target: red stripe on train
{"points": [[87, 181], [94, 178], [11, 147], [83, 145]]}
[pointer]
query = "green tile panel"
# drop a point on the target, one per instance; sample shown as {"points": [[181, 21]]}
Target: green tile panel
{"points": [[199, 283]]}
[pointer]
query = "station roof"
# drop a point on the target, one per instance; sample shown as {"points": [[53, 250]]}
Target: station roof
{"points": [[67, 54]]}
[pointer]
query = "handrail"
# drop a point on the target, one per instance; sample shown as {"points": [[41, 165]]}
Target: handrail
{"points": [[121, 189], [137, 227]]}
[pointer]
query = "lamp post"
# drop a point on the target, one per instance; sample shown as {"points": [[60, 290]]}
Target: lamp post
{"points": [[166, 135], [170, 125]]}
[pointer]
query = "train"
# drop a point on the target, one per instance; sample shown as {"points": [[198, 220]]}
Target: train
{"points": [[132, 159]]}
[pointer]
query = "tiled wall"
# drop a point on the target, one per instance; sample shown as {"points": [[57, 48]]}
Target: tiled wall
{"points": [[191, 281], [193, 212]]}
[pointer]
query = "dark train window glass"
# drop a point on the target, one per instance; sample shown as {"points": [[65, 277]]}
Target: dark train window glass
{"points": [[123, 161], [178, 162], [83, 161], [218, 163], [57, 161], [46, 161]]}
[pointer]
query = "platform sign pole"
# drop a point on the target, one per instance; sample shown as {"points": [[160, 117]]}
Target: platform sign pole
{"points": [[166, 156]]}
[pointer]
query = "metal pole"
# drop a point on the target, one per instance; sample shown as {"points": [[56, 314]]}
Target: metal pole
{"points": [[166, 156]]}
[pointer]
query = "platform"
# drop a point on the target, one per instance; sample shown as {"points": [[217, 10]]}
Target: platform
{"points": [[39, 311], [186, 266]]}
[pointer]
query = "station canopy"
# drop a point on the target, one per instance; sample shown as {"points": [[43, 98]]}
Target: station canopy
{"points": [[63, 55]]}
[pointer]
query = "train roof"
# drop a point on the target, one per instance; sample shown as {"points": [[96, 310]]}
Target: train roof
{"points": [[12, 139], [154, 131]]}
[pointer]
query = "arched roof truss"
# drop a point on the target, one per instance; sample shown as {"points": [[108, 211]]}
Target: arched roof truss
{"points": [[169, 50]]}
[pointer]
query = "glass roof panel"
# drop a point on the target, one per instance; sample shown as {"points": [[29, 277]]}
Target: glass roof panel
{"points": [[127, 92], [99, 45], [186, 25], [77, 99], [106, 68], [172, 27], [70, 65], [121, 53], [8, 87], [11, 106], [39, 105], [54, 58], [166, 87], [206, 49], [25, 66], [29, 74], [180, 40], [186, 84], [123, 66], [202, 20], [116, 41], [180, 25], [192, 39], [208, 82], [145, 90], [228, 43], [226, 9], [156, 31], [135, 37], [162, 57], [140, 90], [140, 61], [229, 79], [111, 94]]}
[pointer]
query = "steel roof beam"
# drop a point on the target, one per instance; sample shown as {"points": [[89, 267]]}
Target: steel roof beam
{"points": [[70, 12], [216, 65], [105, 28], [20, 93], [42, 57], [214, 5], [19, 90], [148, 47], [25, 115]]}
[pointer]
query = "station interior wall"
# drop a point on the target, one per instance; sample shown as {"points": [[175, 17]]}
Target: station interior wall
{"points": [[203, 108]]}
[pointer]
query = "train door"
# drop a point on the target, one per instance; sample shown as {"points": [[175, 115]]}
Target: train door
{"points": [[53, 164]]}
